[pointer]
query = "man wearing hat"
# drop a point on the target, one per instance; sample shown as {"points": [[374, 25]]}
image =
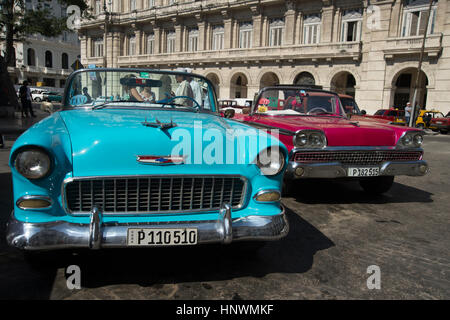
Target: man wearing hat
{"points": [[408, 110], [195, 86]]}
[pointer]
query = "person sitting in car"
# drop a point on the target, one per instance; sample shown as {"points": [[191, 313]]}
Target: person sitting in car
{"points": [[130, 90], [148, 95]]}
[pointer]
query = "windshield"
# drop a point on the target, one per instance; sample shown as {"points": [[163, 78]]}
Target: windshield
{"points": [[296, 101], [379, 112], [350, 105], [101, 88]]}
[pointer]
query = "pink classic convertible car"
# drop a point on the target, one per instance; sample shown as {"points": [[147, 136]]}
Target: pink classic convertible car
{"points": [[323, 143]]}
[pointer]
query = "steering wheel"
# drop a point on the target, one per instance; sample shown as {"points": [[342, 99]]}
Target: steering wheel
{"points": [[317, 108], [198, 107]]}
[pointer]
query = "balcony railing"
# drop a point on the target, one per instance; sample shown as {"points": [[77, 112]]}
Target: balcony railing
{"points": [[408, 45], [281, 53], [41, 70]]}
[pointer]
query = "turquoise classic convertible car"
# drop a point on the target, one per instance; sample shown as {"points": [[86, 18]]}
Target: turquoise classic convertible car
{"points": [[143, 158]]}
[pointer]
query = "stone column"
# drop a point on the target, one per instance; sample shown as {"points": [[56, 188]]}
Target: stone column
{"points": [[208, 36], [228, 25], [289, 23], [264, 33], [257, 30], [88, 47], [179, 32], [299, 28], [116, 49], [201, 35], [257, 25], [327, 25], [336, 34], [84, 40], [157, 32], [138, 35]]}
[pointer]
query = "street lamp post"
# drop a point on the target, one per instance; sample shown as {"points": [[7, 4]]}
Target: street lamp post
{"points": [[412, 119], [107, 15]]}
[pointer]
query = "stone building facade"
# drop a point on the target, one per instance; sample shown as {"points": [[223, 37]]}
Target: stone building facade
{"points": [[368, 49], [42, 60]]}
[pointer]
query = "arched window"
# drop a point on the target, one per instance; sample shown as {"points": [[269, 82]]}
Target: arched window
{"points": [[48, 59], [304, 79], [31, 57], [65, 61]]}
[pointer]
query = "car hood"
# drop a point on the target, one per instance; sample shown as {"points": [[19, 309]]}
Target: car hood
{"points": [[340, 131], [108, 141]]}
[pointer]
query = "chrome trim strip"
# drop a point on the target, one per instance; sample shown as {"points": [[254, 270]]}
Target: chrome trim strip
{"points": [[337, 170], [64, 235], [243, 203], [34, 197], [352, 148]]}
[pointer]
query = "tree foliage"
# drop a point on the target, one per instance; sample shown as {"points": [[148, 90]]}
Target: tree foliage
{"points": [[17, 23]]}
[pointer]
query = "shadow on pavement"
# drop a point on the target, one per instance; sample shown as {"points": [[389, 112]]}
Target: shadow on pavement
{"points": [[146, 267], [347, 192], [156, 266], [17, 279]]}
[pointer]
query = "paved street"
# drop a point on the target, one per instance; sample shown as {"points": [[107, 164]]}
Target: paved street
{"points": [[336, 233]]}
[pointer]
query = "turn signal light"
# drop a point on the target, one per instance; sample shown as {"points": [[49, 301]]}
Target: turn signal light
{"points": [[268, 196], [33, 204]]}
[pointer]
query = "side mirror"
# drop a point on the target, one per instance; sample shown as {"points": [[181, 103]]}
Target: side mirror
{"points": [[229, 113], [245, 110], [363, 112]]}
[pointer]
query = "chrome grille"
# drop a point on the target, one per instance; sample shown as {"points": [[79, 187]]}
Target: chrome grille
{"points": [[154, 194], [372, 157]]}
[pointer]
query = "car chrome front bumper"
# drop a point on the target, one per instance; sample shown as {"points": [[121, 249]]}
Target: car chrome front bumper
{"points": [[338, 170], [96, 234]]}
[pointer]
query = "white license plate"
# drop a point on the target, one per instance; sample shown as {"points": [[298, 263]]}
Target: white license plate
{"points": [[162, 237], [363, 172], [439, 122]]}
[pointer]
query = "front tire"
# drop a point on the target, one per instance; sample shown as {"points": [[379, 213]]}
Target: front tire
{"points": [[37, 99], [377, 185]]}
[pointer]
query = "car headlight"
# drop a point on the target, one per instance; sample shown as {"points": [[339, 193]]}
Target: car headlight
{"points": [[32, 163], [270, 161], [411, 139], [310, 139]]}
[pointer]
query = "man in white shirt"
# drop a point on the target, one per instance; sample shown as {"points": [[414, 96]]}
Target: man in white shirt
{"points": [[196, 90], [184, 89], [408, 110]]}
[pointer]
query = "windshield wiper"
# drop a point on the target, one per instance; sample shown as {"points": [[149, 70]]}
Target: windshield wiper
{"points": [[105, 104], [196, 109]]}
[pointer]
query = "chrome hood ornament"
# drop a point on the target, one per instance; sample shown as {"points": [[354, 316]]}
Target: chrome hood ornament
{"points": [[159, 124]]}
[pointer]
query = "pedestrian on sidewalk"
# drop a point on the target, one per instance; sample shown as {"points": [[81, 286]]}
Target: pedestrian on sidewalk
{"points": [[408, 110], [25, 99]]}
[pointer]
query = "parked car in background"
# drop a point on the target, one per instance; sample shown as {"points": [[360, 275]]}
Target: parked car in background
{"points": [[107, 174], [353, 111], [425, 117], [38, 94], [52, 96], [440, 123], [237, 104], [324, 143], [396, 116]]}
